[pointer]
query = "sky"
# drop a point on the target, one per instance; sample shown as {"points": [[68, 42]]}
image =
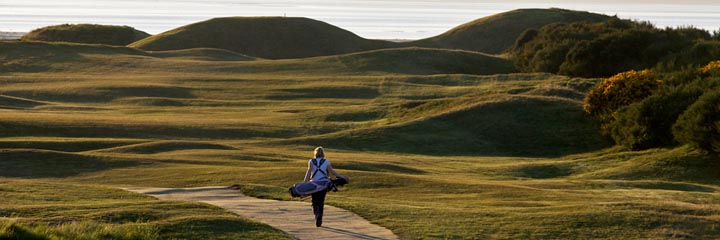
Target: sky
{"points": [[377, 19]]}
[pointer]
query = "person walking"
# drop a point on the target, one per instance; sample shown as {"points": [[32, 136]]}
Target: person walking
{"points": [[318, 169]]}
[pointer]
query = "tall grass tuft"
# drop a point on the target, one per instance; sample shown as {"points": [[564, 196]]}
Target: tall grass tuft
{"points": [[83, 230]]}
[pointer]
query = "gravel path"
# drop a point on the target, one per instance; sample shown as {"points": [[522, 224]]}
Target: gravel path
{"points": [[293, 217]]}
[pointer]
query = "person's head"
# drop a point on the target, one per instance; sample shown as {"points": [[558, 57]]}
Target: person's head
{"points": [[319, 153]]}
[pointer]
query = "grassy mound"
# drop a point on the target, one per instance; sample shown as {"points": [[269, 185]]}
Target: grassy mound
{"points": [[87, 33], [109, 93], [678, 164], [509, 126], [33, 163], [265, 37], [27, 56], [426, 61], [166, 146], [69, 57], [16, 102], [497, 33], [202, 54], [64, 144], [35, 56]]}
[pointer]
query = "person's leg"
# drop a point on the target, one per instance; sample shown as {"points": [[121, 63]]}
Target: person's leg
{"points": [[318, 203], [315, 203]]}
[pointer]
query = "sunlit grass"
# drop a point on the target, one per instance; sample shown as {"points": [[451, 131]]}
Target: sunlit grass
{"points": [[39, 209], [428, 156]]}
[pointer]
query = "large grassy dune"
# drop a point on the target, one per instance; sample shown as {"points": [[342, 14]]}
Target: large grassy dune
{"points": [[265, 37], [497, 33], [289, 37]]}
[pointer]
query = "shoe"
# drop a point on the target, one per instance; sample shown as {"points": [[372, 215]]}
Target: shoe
{"points": [[318, 221]]}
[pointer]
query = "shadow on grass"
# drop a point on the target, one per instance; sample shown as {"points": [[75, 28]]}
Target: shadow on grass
{"points": [[674, 186], [545, 171], [167, 146], [377, 167], [10, 230], [27, 163], [65, 145], [106, 93], [348, 92], [119, 130], [230, 228]]}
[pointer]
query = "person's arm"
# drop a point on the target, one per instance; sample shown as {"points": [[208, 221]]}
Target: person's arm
{"points": [[307, 174], [331, 170]]}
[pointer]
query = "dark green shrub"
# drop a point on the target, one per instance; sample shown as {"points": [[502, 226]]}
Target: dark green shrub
{"points": [[608, 54], [681, 77], [699, 126], [692, 57], [648, 123], [606, 48], [544, 50], [525, 37]]}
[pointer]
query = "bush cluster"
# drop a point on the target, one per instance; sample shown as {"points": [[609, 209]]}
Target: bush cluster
{"points": [[639, 111], [699, 126], [603, 49], [648, 123]]}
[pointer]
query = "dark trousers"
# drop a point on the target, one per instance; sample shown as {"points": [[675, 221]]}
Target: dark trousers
{"points": [[318, 202]]}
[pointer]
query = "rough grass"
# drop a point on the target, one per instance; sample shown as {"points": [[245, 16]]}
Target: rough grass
{"points": [[430, 156], [10, 229], [45, 210]]}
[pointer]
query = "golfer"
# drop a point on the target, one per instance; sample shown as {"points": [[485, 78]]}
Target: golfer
{"points": [[318, 169]]}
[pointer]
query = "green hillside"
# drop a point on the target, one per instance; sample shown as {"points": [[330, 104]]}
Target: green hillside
{"points": [[497, 33], [264, 37], [86, 33]]}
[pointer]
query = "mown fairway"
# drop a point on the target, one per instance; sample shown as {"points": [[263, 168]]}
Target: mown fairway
{"points": [[433, 150]]}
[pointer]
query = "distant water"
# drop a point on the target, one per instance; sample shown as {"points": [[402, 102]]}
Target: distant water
{"points": [[381, 19]]}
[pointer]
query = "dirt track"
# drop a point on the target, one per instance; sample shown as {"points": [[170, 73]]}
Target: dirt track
{"points": [[292, 217]]}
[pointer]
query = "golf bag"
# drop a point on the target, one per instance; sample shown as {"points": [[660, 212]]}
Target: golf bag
{"points": [[304, 189]]}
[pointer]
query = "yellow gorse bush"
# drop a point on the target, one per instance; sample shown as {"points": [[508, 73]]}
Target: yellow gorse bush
{"points": [[630, 82], [711, 67], [619, 90]]}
